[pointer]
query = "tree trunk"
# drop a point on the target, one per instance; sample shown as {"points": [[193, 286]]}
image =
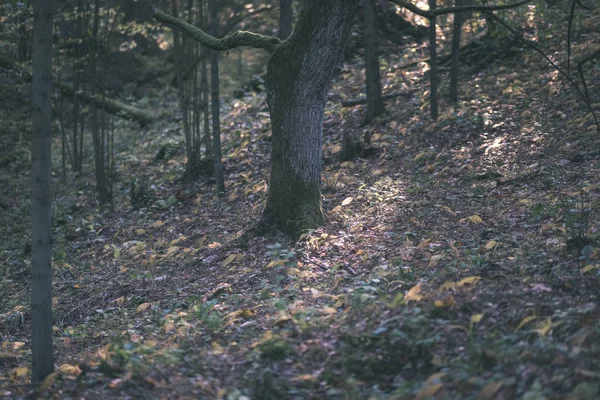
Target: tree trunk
{"points": [[41, 167], [285, 19], [298, 78], [455, 66], [214, 85], [433, 99], [374, 98]]}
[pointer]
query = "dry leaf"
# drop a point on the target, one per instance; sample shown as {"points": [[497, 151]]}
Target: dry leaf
{"points": [[525, 321], [446, 302], [143, 307], [347, 201], [434, 260], [413, 294], [489, 391]]}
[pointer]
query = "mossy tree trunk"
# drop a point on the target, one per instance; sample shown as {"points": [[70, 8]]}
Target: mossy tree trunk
{"points": [[298, 78]]}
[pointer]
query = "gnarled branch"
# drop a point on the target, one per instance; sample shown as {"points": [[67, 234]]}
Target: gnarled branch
{"points": [[236, 39], [429, 14]]}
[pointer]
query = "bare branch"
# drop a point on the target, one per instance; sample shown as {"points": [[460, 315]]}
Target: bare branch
{"points": [[556, 67], [429, 14], [236, 39]]}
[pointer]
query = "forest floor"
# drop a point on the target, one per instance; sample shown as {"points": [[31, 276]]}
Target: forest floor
{"points": [[460, 259]]}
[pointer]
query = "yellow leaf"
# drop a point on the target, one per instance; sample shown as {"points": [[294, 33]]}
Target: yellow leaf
{"points": [[588, 268], [434, 260], [525, 321], [543, 327], [76, 286], [526, 202], [413, 293], [230, 258], [347, 164], [276, 263], [17, 345], [21, 372], [140, 231], [217, 348], [69, 369], [151, 343], [468, 283], [475, 318], [335, 210], [491, 245], [397, 300], [171, 250], [120, 301], [328, 310], [304, 378], [347, 201], [143, 307], [446, 302], [476, 219], [157, 224], [448, 285], [448, 210], [48, 381], [282, 320]]}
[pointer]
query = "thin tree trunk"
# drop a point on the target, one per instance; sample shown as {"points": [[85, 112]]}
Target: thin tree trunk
{"points": [[433, 96], [41, 167], [285, 19], [374, 98], [455, 66], [299, 73], [214, 84]]}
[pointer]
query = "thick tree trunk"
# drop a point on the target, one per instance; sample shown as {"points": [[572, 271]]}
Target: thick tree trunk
{"points": [[298, 79], [41, 167], [374, 98]]}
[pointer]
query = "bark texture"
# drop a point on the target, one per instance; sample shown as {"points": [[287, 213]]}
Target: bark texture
{"points": [[374, 98], [298, 78], [433, 99], [285, 19], [455, 66], [41, 167], [213, 6]]}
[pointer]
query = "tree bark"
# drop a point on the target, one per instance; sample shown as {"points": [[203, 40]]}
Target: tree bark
{"points": [[298, 78], [41, 167], [433, 95], [455, 66], [285, 19], [214, 85], [374, 98]]}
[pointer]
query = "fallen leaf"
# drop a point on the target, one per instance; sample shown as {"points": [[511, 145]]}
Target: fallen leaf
{"points": [[143, 307], [525, 321], [446, 302], [347, 201], [468, 283], [434, 260], [489, 391], [413, 294], [491, 245]]}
